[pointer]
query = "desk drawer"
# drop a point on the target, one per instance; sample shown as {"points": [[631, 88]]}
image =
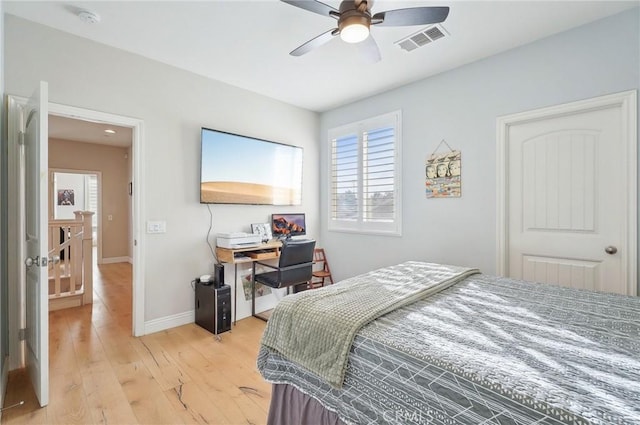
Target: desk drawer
{"points": [[257, 255]]}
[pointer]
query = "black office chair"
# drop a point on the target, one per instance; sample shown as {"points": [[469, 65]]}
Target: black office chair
{"points": [[294, 267]]}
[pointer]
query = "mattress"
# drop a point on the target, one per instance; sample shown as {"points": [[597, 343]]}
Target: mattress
{"points": [[487, 350]]}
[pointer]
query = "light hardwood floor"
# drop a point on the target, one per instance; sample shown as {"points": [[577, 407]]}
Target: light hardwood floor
{"points": [[99, 373]]}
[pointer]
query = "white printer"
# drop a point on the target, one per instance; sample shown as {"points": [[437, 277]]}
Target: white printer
{"points": [[238, 240]]}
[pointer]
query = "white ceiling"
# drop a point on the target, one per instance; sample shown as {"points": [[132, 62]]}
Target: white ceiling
{"points": [[246, 43], [89, 132]]}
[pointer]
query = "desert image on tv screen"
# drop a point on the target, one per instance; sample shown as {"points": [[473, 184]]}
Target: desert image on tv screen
{"points": [[242, 170]]}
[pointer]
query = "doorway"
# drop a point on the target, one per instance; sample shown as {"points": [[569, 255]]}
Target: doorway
{"points": [[85, 132], [567, 194]]}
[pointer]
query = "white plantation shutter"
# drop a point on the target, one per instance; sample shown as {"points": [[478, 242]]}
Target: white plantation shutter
{"points": [[345, 161], [91, 196], [364, 193], [378, 175]]}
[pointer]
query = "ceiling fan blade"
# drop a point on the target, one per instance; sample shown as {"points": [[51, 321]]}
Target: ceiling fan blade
{"points": [[315, 7], [369, 50], [410, 16], [315, 42]]}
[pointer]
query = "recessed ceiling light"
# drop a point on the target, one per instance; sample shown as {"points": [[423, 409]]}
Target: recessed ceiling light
{"points": [[88, 16], [109, 131]]}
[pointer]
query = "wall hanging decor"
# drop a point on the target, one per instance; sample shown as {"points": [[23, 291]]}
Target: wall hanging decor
{"points": [[66, 197], [443, 173]]}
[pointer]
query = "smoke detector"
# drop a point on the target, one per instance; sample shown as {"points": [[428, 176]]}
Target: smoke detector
{"points": [[88, 16]]}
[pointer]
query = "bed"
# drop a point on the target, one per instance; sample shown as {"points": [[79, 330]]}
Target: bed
{"points": [[469, 349]]}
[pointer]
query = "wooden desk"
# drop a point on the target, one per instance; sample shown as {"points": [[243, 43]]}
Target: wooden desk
{"points": [[237, 256]]}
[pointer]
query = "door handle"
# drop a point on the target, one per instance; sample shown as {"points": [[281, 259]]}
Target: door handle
{"points": [[37, 261], [611, 250]]}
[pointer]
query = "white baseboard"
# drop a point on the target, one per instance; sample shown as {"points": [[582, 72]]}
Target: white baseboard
{"points": [[63, 303], [168, 322], [112, 260]]}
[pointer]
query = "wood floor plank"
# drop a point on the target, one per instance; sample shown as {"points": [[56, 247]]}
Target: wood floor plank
{"points": [[117, 346], [105, 397], [194, 406], [236, 401], [190, 360], [89, 351], [68, 404], [163, 368], [62, 357], [145, 395], [57, 322]]}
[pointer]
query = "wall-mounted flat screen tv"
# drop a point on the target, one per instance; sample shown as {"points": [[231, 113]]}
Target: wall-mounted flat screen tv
{"points": [[237, 169]]}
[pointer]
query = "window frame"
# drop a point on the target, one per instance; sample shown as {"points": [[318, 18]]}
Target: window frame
{"points": [[393, 228]]}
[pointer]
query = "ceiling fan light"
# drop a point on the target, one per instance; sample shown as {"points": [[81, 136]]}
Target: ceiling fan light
{"points": [[353, 26], [354, 33]]}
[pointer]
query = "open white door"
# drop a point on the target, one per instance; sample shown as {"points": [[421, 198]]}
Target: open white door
{"points": [[36, 243]]}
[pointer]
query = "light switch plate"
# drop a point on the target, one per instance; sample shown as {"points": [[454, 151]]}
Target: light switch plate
{"points": [[156, 226]]}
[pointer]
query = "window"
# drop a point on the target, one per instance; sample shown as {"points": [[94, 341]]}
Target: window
{"points": [[364, 187], [91, 202], [91, 195]]}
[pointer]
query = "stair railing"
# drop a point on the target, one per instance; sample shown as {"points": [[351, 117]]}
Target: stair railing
{"points": [[68, 242]]}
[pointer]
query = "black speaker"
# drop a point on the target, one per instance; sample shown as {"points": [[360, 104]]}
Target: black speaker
{"points": [[213, 308], [218, 275]]}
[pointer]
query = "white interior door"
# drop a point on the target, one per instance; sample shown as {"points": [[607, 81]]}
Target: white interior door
{"points": [[568, 202], [36, 243]]}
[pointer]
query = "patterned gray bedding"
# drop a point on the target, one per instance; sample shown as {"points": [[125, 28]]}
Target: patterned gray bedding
{"points": [[487, 350], [348, 306]]}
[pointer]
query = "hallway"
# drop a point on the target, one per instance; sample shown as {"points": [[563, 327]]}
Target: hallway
{"points": [[99, 373]]}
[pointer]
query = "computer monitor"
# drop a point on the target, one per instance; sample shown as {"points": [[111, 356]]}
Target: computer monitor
{"points": [[287, 225]]}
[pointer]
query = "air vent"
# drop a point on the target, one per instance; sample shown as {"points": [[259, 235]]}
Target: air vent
{"points": [[422, 37]]}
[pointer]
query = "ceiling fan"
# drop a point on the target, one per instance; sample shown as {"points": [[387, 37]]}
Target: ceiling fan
{"points": [[354, 20]]}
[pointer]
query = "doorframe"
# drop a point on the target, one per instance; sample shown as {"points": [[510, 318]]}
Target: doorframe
{"points": [[16, 295], [627, 102], [99, 221]]}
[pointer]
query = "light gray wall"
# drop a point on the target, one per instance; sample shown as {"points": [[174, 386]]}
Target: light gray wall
{"points": [[461, 106], [174, 105]]}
